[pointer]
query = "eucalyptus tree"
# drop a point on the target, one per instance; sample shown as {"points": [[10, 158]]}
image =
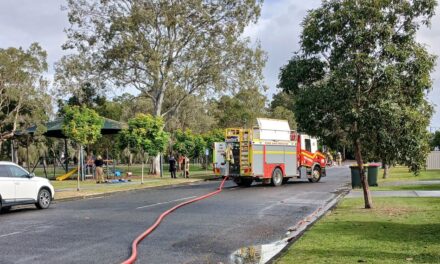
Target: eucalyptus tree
{"points": [[195, 45], [24, 98], [240, 109], [362, 76]]}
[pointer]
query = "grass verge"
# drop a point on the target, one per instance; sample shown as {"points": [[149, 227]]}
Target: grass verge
{"points": [[410, 187], [397, 230], [196, 170], [67, 189], [402, 174]]}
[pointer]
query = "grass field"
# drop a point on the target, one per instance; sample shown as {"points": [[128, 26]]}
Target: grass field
{"points": [[196, 170], [402, 174], [399, 175], [397, 230], [67, 189]]}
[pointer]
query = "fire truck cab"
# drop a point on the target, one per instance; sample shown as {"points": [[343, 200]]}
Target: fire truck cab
{"points": [[270, 153]]}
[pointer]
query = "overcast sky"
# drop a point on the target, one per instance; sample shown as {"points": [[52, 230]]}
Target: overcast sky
{"points": [[25, 21]]}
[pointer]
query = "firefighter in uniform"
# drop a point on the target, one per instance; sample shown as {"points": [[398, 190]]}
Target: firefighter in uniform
{"points": [[339, 159]]}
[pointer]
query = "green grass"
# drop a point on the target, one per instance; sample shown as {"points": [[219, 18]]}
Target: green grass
{"points": [[417, 187], [196, 170], [402, 174], [397, 230], [91, 188]]}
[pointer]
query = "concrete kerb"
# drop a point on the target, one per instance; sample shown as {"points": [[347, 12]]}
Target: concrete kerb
{"points": [[267, 253], [296, 231], [90, 196]]}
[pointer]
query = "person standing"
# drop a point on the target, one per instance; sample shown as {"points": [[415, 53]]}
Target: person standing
{"points": [[339, 159], [186, 167], [99, 163], [173, 168]]}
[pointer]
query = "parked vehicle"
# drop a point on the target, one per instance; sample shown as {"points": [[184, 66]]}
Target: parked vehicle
{"points": [[270, 152], [18, 187]]}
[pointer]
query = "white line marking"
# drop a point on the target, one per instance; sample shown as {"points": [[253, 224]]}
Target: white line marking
{"points": [[10, 234], [151, 205]]}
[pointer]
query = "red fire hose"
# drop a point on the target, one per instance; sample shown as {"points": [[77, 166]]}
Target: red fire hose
{"points": [[135, 242]]}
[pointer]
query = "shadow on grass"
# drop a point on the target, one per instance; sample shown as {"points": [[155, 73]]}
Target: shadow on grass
{"points": [[371, 256], [386, 231]]}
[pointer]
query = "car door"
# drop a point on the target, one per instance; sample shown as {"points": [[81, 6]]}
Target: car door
{"points": [[7, 185], [24, 185]]}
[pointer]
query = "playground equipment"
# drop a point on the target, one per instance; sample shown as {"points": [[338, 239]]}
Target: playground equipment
{"points": [[67, 175]]}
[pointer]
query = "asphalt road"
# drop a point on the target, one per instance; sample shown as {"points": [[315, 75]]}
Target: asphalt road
{"points": [[100, 230]]}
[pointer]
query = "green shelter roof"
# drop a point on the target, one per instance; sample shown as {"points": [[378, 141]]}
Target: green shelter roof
{"points": [[54, 128]]}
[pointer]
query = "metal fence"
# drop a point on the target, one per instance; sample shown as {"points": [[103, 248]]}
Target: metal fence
{"points": [[433, 161]]}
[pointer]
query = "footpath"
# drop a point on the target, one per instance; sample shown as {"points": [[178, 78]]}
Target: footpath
{"points": [[412, 193]]}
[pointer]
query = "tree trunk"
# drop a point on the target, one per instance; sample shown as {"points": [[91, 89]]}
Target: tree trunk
{"points": [[367, 195], [79, 162], [142, 173], [158, 112], [386, 169]]}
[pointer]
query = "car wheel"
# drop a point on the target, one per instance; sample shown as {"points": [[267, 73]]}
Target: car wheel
{"points": [[316, 174], [277, 177], [5, 209], [44, 199]]}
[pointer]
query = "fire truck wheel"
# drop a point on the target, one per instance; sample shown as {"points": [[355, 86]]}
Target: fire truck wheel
{"points": [[242, 182], [316, 174], [277, 177]]}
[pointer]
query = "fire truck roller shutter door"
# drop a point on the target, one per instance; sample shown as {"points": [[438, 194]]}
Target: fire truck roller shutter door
{"points": [[274, 154], [290, 160], [257, 160]]}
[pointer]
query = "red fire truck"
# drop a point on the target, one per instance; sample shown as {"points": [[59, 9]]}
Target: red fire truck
{"points": [[270, 153]]}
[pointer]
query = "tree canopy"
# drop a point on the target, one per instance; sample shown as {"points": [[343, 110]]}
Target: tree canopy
{"points": [[195, 47], [241, 109], [362, 76], [82, 125], [24, 99], [145, 133], [435, 139]]}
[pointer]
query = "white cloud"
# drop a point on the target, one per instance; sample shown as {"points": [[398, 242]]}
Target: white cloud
{"points": [[25, 21]]}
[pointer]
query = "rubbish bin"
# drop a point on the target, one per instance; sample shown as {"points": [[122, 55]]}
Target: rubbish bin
{"points": [[373, 171], [355, 177]]}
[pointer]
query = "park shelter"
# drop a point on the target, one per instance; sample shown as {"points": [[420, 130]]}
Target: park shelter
{"points": [[54, 129]]}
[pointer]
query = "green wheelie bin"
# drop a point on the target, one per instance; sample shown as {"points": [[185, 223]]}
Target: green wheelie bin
{"points": [[355, 177], [373, 172]]}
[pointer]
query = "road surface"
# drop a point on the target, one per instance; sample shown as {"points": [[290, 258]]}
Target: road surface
{"points": [[100, 230]]}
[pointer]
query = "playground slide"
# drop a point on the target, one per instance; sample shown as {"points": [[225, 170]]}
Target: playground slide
{"points": [[67, 175]]}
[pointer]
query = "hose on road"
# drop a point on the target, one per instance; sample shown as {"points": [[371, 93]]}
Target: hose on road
{"points": [[135, 242]]}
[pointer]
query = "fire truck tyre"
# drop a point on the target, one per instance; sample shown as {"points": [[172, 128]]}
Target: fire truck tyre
{"points": [[277, 177], [242, 182], [316, 174]]}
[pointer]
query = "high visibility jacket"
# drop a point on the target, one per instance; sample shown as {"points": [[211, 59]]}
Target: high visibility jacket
{"points": [[229, 156]]}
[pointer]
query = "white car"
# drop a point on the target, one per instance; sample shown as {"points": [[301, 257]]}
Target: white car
{"points": [[18, 186]]}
